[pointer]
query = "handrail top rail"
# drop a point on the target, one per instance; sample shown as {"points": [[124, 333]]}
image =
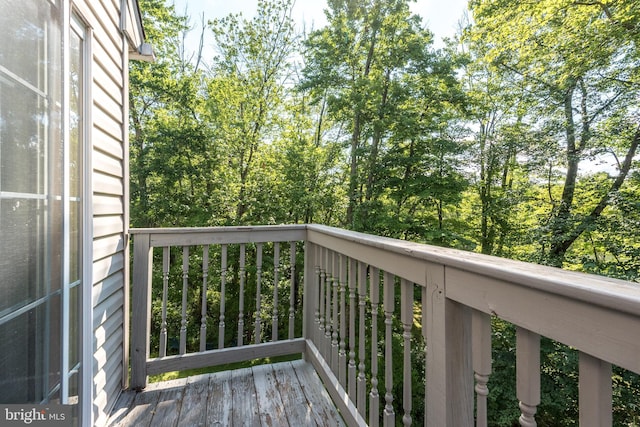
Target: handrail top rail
{"points": [[191, 236], [218, 229], [603, 291]]}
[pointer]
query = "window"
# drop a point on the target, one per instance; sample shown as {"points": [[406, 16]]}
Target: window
{"points": [[41, 202]]}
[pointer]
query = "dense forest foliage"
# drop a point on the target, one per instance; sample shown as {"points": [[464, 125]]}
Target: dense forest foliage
{"points": [[519, 138]]}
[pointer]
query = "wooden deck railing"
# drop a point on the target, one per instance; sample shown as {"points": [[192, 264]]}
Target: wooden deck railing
{"points": [[360, 294], [196, 253]]}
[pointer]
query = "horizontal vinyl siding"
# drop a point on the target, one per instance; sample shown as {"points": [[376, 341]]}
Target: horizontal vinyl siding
{"points": [[105, 268], [108, 184], [105, 121], [107, 205], [110, 20], [104, 78], [108, 144], [106, 387], [105, 225], [108, 156], [100, 337], [112, 344], [107, 103], [107, 287], [107, 164], [104, 54], [106, 246]]}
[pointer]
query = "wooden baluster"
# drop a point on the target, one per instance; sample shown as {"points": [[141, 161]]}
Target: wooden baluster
{"points": [[165, 289], [203, 308], [185, 285], [352, 328], [527, 375], [595, 392], [335, 348], [292, 292], [342, 353], [374, 396], [406, 317], [327, 309], [481, 324], [258, 323], [322, 277], [425, 332], [223, 286], [312, 251], [242, 273], [389, 414], [276, 279], [362, 380], [309, 293]]}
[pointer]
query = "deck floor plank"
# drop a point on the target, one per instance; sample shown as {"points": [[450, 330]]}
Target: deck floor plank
{"points": [[121, 408], [298, 411], [219, 404], [271, 408], [193, 411], [169, 404], [142, 409], [281, 394], [245, 402], [325, 412]]}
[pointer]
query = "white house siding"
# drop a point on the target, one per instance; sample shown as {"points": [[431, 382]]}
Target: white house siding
{"points": [[108, 115]]}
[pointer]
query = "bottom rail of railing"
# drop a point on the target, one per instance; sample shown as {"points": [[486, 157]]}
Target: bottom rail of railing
{"points": [[224, 356]]}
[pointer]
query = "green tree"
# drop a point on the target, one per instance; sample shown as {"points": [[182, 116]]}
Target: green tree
{"points": [[386, 87], [246, 95], [579, 96], [495, 105], [167, 128]]}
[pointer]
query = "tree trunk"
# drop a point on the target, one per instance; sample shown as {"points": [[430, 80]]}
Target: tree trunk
{"points": [[560, 247]]}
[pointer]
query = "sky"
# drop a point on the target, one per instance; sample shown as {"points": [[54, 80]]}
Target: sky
{"points": [[440, 16]]}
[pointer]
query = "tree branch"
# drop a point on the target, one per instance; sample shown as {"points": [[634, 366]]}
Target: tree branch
{"points": [[604, 201]]}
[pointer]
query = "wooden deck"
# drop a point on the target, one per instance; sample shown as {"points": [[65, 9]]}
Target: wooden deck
{"points": [[280, 394]]}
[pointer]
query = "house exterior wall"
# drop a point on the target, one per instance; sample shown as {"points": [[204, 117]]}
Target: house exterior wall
{"points": [[114, 30], [64, 201]]}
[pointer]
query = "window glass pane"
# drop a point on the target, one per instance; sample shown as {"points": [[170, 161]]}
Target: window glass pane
{"points": [[75, 241], [74, 326], [23, 138], [75, 110], [28, 25], [75, 170], [76, 138], [31, 368], [22, 260], [54, 345]]}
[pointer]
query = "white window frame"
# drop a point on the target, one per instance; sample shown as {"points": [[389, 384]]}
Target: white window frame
{"points": [[71, 21], [80, 26]]}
